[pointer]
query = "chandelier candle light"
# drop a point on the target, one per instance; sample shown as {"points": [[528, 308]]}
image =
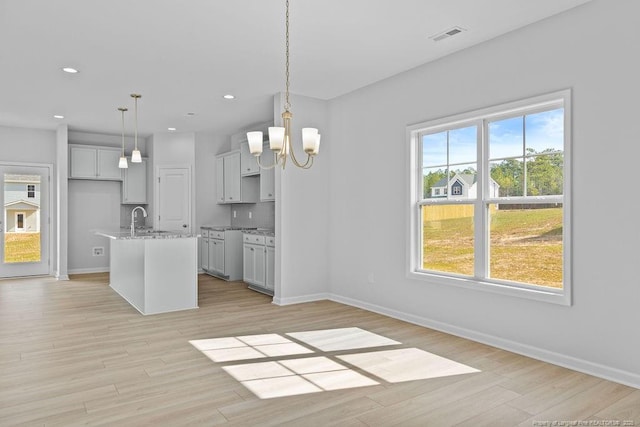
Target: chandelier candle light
{"points": [[122, 164], [280, 137], [135, 154]]}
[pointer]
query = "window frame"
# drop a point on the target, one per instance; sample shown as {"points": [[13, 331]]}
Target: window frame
{"points": [[480, 118]]}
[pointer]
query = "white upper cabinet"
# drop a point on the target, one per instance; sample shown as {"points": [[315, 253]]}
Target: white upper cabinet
{"points": [[134, 183], [248, 164], [267, 177], [231, 186], [89, 162]]}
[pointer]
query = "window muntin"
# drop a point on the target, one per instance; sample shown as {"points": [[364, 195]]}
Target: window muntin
{"points": [[520, 163]]}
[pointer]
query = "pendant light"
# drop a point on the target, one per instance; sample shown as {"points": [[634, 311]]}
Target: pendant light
{"points": [[135, 154], [280, 137], [122, 164]]}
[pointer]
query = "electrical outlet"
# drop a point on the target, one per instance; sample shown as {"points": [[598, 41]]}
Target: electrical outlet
{"points": [[250, 214], [98, 251], [235, 214]]}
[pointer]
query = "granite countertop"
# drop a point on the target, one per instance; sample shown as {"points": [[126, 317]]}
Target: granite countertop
{"points": [[268, 232], [144, 234], [225, 227]]}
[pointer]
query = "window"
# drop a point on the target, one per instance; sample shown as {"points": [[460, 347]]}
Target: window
{"points": [[31, 191], [504, 227]]}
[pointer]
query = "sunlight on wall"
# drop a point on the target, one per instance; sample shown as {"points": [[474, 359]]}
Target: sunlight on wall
{"points": [[288, 376]]}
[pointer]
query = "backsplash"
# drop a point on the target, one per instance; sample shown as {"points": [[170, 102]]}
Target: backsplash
{"points": [[263, 215]]}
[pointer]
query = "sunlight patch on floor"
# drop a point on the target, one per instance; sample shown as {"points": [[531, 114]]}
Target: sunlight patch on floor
{"points": [[342, 339], [323, 371], [406, 364]]}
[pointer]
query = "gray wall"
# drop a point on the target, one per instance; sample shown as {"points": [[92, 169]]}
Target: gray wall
{"points": [[590, 49]]}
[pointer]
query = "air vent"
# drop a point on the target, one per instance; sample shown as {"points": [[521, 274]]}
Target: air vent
{"points": [[446, 34]]}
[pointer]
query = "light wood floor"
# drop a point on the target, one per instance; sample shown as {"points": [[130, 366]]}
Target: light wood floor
{"points": [[75, 353]]}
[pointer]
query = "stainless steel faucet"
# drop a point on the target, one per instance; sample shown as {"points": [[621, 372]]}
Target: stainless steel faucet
{"points": [[133, 218]]}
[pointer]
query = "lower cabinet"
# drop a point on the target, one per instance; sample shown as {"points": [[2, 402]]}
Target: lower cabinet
{"points": [[221, 253], [258, 262]]}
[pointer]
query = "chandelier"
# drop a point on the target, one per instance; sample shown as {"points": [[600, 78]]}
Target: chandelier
{"points": [[280, 137]]}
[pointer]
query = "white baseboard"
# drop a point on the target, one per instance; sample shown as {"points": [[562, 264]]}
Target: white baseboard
{"points": [[89, 270], [606, 372], [301, 299]]}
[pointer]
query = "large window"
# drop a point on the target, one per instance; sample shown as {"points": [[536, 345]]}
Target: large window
{"points": [[489, 203]]}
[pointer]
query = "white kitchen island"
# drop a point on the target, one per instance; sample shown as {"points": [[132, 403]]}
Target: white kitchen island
{"points": [[156, 272]]}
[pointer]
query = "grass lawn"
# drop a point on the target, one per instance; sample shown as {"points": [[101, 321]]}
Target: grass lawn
{"points": [[21, 247], [526, 246]]}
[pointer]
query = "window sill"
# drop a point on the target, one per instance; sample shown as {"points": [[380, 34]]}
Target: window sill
{"points": [[560, 297]]}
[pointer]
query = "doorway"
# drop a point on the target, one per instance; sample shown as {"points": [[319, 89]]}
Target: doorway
{"points": [[173, 199], [24, 223]]}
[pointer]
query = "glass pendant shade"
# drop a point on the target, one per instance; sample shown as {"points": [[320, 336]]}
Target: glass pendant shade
{"points": [[136, 157], [276, 138], [122, 164], [310, 140], [255, 142]]}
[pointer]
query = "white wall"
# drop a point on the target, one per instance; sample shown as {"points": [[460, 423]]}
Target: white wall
{"points": [[590, 49], [302, 204], [27, 145], [93, 205]]}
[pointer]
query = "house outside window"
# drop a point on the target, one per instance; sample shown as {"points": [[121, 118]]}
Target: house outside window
{"points": [[505, 226], [31, 191]]}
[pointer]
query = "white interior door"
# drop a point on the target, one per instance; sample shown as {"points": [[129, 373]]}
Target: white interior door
{"points": [[24, 224], [174, 199]]}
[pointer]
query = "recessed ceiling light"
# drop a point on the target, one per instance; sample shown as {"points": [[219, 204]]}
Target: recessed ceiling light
{"points": [[58, 116], [229, 96], [69, 70], [171, 129]]}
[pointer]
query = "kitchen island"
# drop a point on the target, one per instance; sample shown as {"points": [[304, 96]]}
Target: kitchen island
{"points": [[156, 272]]}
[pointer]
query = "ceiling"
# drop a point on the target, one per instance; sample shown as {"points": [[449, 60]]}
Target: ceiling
{"points": [[182, 56]]}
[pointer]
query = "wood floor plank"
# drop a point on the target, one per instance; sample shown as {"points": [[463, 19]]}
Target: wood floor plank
{"points": [[75, 353]]}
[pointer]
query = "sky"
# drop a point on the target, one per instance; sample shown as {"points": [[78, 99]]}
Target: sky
{"points": [[506, 139]]}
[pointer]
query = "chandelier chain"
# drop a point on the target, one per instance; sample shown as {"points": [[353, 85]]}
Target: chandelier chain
{"points": [[287, 104]]}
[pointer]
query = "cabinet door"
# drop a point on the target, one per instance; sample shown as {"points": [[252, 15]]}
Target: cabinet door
{"points": [[108, 164], [204, 253], [259, 266], [216, 255], [267, 176], [134, 183], [232, 178], [220, 179], [248, 163], [267, 185], [248, 263], [270, 268], [82, 162]]}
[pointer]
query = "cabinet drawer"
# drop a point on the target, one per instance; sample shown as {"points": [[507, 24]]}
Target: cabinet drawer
{"points": [[254, 239], [271, 241], [204, 232], [216, 234]]}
